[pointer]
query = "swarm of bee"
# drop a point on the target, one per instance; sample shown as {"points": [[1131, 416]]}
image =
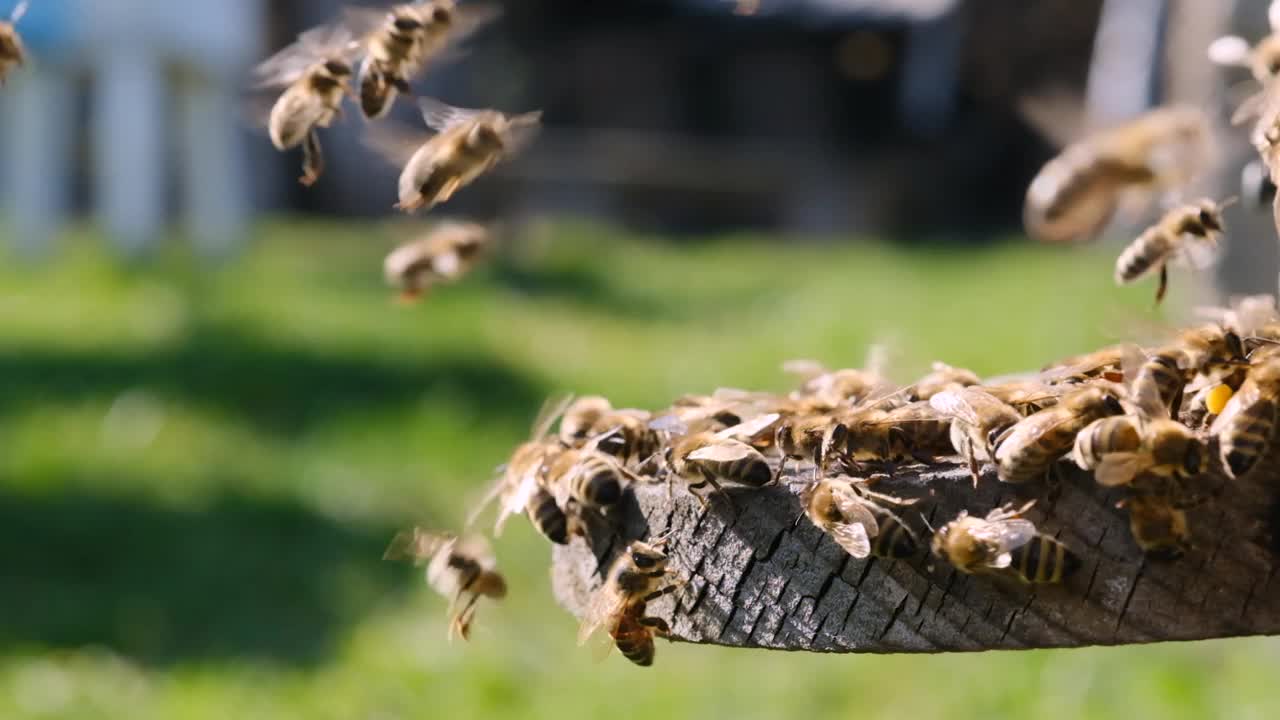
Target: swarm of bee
{"points": [[1166, 425]]}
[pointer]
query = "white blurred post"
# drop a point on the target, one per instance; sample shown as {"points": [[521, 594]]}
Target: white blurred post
{"points": [[129, 136], [39, 156], [213, 169], [1126, 58]]}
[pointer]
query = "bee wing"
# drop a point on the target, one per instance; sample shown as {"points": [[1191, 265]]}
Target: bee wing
{"points": [[440, 115], [551, 410], [521, 130], [311, 47], [1059, 115], [416, 545], [515, 497], [1198, 254], [1254, 105], [1120, 468], [18, 11], [1035, 424], [467, 19], [805, 369], [853, 537], [750, 428], [670, 424], [855, 510], [604, 605], [1229, 50], [957, 404], [447, 265], [1006, 534], [361, 22], [477, 548], [726, 451], [394, 143]]}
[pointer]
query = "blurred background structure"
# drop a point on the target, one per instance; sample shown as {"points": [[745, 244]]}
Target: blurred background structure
{"points": [[201, 462]]}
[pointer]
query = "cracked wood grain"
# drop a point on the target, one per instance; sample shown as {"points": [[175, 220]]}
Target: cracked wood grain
{"points": [[757, 578]]}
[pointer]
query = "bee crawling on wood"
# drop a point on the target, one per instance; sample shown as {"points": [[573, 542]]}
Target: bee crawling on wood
{"points": [[639, 576], [702, 458], [457, 568], [1003, 543], [850, 514]]}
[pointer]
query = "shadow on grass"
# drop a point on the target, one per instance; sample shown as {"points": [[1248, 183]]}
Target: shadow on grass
{"points": [[579, 285], [241, 577], [277, 388]]}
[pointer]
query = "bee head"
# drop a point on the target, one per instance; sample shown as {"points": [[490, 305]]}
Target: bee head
{"points": [[337, 68], [406, 23], [484, 135], [1111, 402], [1193, 461], [441, 15], [647, 556]]}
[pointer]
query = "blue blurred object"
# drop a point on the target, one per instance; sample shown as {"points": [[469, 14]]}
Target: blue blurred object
{"points": [[49, 25]]}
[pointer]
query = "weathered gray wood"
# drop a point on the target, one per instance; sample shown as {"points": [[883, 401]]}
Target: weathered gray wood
{"points": [[757, 578]]}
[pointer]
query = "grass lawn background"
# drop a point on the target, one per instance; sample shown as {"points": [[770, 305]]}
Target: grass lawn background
{"points": [[201, 465]]}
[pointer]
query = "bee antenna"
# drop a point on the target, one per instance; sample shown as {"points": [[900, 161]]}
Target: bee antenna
{"points": [[927, 524], [1228, 202]]}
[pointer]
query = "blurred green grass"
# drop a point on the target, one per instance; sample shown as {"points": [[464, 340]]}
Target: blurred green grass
{"points": [[199, 467]]}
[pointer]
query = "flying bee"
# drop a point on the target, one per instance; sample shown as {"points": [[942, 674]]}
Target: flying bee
{"points": [[521, 483], [811, 438], [466, 144], [1187, 233], [403, 40], [977, 420], [914, 431], [1159, 527], [316, 73], [1262, 59], [457, 568], [1075, 195], [12, 52], [843, 509], [638, 576], [1004, 544], [1029, 449], [942, 377], [1246, 424], [705, 458], [445, 254]]}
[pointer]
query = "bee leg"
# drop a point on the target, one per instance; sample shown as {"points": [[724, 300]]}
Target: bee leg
{"points": [[1164, 283], [718, 489], [312, 159], [973, 462], [658, 625]]}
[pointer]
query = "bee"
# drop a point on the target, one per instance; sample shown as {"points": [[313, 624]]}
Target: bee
{"points": [[1117, 434], [1075, 195], [1246, 424], [977, 420], [1106, 363], [316, 73], [12, 51], [1187, 233], [638, 577], [1025, 396], [521, 484], [826, 390], [404, 40], [1004, 544], [914, 431], [1159, 527], [466, 144], [593, 481], [705, 458], [842, 509], [457, 568], [811, 438], [1262, 59], [623, 433], [942, 377], [1029, 449], [1212, 349], [445, 254]]}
